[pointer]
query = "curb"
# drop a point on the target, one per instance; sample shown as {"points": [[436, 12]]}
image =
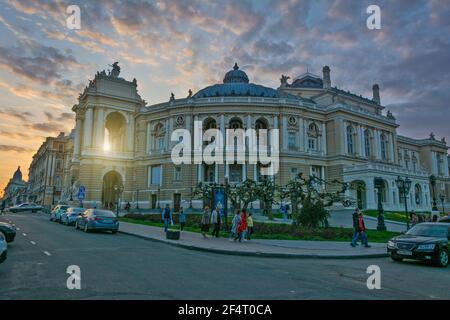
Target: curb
{"points": [[258, 254]]}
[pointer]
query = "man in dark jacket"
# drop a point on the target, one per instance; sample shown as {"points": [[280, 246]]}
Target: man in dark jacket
{"points": [[166, 217], [359, 229]]}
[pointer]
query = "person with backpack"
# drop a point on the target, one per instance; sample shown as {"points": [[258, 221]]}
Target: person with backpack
{"points": [[166, 217], [359, 229], [182, 218]]}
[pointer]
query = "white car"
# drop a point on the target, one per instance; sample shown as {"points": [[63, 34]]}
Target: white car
{"points": [[33, 207], [3, 248]]}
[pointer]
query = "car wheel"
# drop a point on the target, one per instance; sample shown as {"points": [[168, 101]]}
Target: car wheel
{"points": [[86, 228], [113, 231], [396, 259], [442, 258]]}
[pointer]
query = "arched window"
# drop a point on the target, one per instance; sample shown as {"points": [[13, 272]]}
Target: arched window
{"points": [[418, 194], [313, 134], [350, 140], [115, 125], [159, 134], [367, 143], [383, 141]]}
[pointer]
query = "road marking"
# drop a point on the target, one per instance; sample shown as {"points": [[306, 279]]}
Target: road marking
{"points": [[32, 242], [24, 234], [18, 229], [47, 253]]}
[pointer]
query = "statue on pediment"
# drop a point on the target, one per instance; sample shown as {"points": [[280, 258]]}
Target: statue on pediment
{"points": [[443, 140], [390, 115], [284, 79], [189, 93], [172, 96], [432, 136], [115, 70]]}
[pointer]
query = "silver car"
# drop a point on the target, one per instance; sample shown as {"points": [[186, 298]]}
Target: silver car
{"points": [[69, 217], [3, 248]]}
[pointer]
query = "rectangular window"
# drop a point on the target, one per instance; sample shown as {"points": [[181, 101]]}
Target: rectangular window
{"points": [[58, 164], [155, 175], [294, 173], [160, 144], [177, 174], [291, 140], [61, 148], [58, 181], [312, 144]]}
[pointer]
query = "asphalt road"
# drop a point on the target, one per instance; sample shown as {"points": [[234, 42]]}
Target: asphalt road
{"points": [[125, 267]]}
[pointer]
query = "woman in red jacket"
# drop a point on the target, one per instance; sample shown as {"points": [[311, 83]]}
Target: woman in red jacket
{"points": [[242, 228]]}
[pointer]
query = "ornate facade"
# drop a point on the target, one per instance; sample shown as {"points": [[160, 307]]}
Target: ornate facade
{"points": [[121, 140]]}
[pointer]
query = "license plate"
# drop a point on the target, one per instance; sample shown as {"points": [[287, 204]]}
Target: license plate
{"points": [[404, 252]]}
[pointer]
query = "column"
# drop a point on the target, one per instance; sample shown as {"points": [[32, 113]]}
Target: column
{"points": [[199, 173], [370, 193], [149, 138], [301, 131], [222, 132], [87, 128], [434, 169], [275, 126], [358, 140], [391, 148], [284, 137], [446, 165], [377, 144], [99, 128], [344, 133], [362, 142], [77, 142], [324, 138], [216, 173], [130, 133], [166, 137]]}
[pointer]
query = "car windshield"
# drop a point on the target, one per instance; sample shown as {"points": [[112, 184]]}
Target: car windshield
{"points": [[75, 210], [104, 213], [429, 230]]}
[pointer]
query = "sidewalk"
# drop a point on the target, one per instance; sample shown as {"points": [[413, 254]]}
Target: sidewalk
{"points": [[258, 247]]}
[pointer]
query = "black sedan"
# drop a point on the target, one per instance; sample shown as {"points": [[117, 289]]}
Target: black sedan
{"points": [[8, 231], [424, 241]]}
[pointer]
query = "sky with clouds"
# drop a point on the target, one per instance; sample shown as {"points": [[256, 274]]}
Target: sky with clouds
{"points": [[174, 46]]}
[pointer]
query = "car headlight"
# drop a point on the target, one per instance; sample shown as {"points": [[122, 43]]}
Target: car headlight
{"points": [[426, 247], [391, 244]]}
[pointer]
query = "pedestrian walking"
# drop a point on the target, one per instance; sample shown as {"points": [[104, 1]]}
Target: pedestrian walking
{"points": [[215, 221], [284, 212], [234, 225], [249, 226], [414, 219], [182, 218], [166, 217], [359, 229], [128, 207], [205, 222], [242, 227]]}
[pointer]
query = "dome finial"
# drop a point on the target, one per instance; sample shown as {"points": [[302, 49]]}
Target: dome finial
{"points": [[236, 67]]}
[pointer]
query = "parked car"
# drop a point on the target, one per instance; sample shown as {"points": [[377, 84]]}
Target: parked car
{"points": [[445, 219], [57, 211], [427, 241], [8, 231], [3, 248], [96, 219], [33, 207], [70, 216]]}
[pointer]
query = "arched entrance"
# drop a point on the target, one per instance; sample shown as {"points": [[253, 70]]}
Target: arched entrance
{"points": [[109, 195], [358, 188]]}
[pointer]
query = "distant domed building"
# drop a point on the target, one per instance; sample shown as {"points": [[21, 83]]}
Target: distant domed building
{"points": [[121, 141], [15, 191]]}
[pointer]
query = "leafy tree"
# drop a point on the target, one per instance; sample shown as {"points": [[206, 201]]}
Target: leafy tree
{"points": [[313, 212], [203, 191], [265, 191], [247, 192]]}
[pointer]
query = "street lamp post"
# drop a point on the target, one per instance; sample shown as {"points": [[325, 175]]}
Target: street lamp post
{"points": [[379, 184], [404, 185], [137, 198], [159, 193], [118, 189], [442, 198], [433, 189]]}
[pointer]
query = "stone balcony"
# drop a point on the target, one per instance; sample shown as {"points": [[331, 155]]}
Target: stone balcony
{"points": [[385, 169]]}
